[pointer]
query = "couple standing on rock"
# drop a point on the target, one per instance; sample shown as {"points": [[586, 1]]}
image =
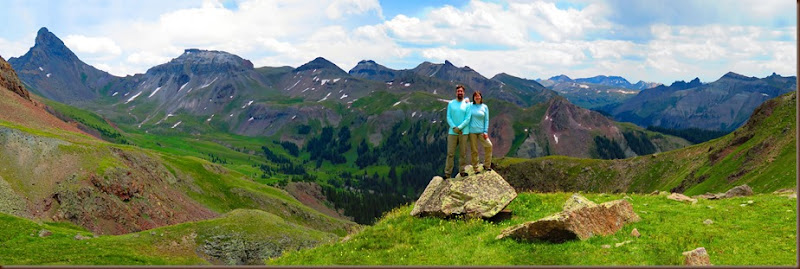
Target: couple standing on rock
{"points": [[467, 120]]}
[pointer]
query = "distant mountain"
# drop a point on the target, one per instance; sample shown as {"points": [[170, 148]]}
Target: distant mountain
{"points": [[531, 90], [722, 105], [53, 71], [616, 82], [202, 91], [642, 85], [444, 77], [613, 81], [369, 69], [559, 127]]}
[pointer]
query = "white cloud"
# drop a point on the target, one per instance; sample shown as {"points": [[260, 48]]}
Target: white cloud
{"points": [[101, 46], [9, 48], [352, 7], [524, 38]]}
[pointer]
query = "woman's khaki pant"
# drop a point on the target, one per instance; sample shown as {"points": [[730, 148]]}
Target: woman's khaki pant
{"points": [[474, 139]]}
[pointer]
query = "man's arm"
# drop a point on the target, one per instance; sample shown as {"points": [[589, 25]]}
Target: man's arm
{"points": [[450, 117], [466, 118]]}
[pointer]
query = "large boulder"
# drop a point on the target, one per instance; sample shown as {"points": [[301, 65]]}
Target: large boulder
{"points": [[477, 195], [580, 222]]}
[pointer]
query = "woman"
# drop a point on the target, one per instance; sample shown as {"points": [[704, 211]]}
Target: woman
{"points": [[479, 132]]}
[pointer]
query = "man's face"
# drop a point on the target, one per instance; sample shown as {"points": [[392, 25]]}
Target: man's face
{"points": [[460, 93]]}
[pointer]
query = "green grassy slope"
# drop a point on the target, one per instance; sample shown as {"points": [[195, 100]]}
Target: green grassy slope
{"points": [[761, 154], [238, 237], [761, 233]]}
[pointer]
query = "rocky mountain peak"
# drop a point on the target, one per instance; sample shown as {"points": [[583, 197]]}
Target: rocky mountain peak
{"points": [[682, 85], [369, 69], [732, 75], [561, 78], [320, 63], [56, 72], [204, 62], [50, 44], [197, 56]]}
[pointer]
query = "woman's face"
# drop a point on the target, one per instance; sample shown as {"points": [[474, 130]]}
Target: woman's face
{"points": [[478, 99]]}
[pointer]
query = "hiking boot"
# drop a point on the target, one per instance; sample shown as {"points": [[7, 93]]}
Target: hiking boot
{"points": [[446, 176], [464, 174]]}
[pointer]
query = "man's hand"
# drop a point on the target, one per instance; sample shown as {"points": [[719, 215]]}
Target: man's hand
{"points": [[456, 130], [485, 136]]}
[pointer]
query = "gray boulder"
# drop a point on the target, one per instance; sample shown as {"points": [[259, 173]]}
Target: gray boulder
{"points": [[742, 190], [580, 222], [477, 195]]}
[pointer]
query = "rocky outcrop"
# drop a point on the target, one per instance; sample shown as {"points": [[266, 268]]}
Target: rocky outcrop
{"points": [[697, 257], [477, 195], [580, 222], [10, 81]]}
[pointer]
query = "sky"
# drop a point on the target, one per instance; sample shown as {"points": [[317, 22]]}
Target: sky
{"points": [[652, 40]]}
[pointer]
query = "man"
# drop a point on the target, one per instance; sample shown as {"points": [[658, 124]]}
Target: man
{"points": [[458, 119]]}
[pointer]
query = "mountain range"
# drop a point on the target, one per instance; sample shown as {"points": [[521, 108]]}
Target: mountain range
{"points": [[722, 105], [211, 90], [597, 91]]}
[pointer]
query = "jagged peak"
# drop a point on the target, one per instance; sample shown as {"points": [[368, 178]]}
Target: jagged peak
{"points": [[50, 43], [684, 85]]}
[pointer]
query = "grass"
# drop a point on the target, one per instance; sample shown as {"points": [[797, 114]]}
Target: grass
{"points": [[20, 243], [762, 233]]}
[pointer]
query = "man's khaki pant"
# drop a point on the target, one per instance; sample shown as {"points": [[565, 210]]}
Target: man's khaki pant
{"points": [[474, 139], [452, 142]]}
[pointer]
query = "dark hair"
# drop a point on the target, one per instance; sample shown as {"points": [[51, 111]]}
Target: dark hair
{"points": [[477, 93], [459, 86]]}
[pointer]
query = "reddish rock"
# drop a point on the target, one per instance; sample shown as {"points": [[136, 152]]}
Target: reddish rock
{"points": [[10, 81]]}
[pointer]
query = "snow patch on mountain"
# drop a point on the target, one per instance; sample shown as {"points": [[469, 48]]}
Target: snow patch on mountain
{"points": [[133, 97], [154, 92]]}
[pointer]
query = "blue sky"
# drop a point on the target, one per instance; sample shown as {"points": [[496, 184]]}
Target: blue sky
{"points": [[654, 40]]}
